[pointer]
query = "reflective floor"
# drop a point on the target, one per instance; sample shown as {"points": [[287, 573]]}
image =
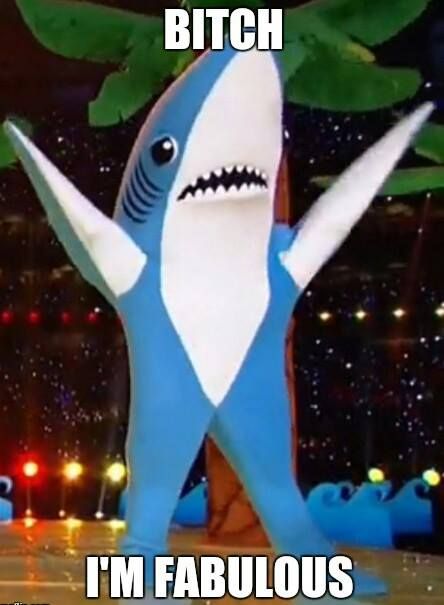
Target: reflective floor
{"points": [[45, 564]]}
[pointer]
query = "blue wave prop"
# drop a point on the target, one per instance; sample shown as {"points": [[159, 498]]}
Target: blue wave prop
{"points": [[358, 518], [6, 508], [411, 510]]}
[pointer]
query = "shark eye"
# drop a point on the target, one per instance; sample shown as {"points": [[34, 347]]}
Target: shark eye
{"points": [[164, 150]]}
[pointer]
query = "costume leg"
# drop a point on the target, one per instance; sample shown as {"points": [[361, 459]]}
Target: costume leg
{"points": [[255, 438], [256, 441], [162, 444]]}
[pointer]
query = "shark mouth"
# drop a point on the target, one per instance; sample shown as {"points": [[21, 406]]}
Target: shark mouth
{"points": [[231, 180]]}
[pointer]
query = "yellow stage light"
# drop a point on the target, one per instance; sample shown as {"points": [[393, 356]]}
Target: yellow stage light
{"points": [[431, 477], [73, 470], [116, 524], [73, 523], [439, 312], [360, 314], [376, 475], [116, 472], [325, 316], [29, 522], [399, 313]]}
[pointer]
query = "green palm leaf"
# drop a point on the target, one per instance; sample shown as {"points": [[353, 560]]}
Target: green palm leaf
{"points": [[370, 21], [231, 4], [430, 143], [402, 182], [80, 30], [311, 28], [125, 92], [327, 81]]}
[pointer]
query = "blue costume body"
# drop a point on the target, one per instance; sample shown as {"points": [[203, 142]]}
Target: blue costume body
{"points": [[206, 284]]}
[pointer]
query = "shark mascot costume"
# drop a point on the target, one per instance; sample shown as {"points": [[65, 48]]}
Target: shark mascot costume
{"points": [[206, 284]]}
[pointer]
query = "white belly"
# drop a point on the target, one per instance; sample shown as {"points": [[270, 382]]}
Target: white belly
{"points": [[215, 286]]}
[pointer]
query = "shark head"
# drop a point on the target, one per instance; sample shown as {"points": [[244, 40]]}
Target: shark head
{"points": [[213, 141]]}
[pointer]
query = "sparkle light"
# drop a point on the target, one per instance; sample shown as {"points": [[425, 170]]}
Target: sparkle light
{"points": [[360, 314], [73, 470], [399, 313], [376, 475], [99, 515], [325, 316], [431, 477], [116, 472], [439, 312]]}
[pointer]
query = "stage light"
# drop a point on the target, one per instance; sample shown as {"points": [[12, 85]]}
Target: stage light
{"points": [[376, 475], [73, 523], [72, 470], [30, 469], [29, 522], [99, 515], [28, 512], [34, 317], [324, 316], [360, 314], [116, 472], [399, 313], [116, 524], [65, 317], [92, 317], [439, 312], [62, 513], [7, 318], [431, 477]]}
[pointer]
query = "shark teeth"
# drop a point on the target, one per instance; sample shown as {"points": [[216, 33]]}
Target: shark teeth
{"points": [[233, 180]]}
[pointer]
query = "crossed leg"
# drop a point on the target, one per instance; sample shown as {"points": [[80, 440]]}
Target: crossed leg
{"points": [[255, 438]]}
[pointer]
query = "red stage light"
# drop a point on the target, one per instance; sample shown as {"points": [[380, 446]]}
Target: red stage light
{"points": [[66, 317], [7, 317], [30, 469], [92, 317], [34, 317]]}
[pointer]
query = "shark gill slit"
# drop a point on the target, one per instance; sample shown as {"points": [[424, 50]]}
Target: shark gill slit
{"points": [[127, 209], [143, 185], [147, 180], [137, 200]]}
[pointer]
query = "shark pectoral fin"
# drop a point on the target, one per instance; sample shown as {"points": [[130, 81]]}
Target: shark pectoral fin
{"points": [[102, 251], [331, 218]]}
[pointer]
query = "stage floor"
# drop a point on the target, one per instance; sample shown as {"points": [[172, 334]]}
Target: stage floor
{"points": [[45, 564]]}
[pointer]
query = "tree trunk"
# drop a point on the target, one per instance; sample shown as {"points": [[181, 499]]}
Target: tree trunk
{"points": [[231, 517]]}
